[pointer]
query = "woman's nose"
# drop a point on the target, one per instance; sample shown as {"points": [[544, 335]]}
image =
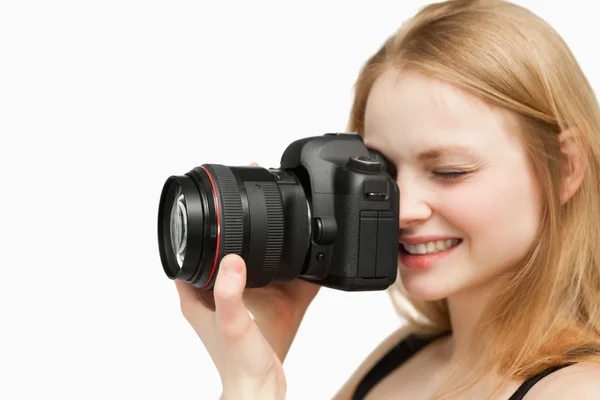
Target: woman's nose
{"points": [[413, 205]]}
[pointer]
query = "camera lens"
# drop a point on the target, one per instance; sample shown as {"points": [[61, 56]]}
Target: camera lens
{"points": [[179, 227], [214, 210]]}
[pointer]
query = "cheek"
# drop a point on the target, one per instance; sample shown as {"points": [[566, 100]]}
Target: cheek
{"points": [[498, 215]]}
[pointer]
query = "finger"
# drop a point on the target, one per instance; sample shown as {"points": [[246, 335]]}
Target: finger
{"points": [[254, 163], [185, 290], [197, 305], [246, 347], [200, 314], [228, 292], [192, 295]]}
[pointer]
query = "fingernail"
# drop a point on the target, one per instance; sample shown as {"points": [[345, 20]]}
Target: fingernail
{"points": [[231, 267]]}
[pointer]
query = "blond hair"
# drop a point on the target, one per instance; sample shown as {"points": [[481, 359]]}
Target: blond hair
{"points": [[548, 312]]}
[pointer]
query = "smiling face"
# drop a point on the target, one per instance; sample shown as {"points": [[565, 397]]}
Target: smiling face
{"points": [[463, 176]]}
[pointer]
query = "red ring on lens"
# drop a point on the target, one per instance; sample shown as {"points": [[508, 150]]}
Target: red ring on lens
{"points": [[216, 198]]}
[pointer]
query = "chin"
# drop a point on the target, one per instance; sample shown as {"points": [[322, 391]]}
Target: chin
{"points": [[419, 286]]}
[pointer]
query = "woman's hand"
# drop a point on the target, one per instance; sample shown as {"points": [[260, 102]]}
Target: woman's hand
{"points": [[247, 353], [247, 365], [277, 309]]}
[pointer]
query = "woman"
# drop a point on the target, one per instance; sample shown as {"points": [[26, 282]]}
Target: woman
{"points": [[494, 135]]}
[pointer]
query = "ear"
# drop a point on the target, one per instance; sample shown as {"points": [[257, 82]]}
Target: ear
{"points": [[573, 169]]}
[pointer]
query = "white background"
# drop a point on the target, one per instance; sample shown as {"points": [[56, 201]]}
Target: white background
{"points": [[100, 101]]}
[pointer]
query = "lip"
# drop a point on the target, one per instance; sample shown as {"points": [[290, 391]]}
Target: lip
{"points": [[423, 261], [425, 239]]}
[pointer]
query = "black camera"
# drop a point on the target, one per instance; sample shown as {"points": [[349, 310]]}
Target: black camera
{"points": [[328, 215]]}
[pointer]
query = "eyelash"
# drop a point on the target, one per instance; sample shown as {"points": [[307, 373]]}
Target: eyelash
{"points": [[452, 175]]}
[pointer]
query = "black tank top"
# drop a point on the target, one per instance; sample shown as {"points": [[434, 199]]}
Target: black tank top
{"points": [[409, 347]]}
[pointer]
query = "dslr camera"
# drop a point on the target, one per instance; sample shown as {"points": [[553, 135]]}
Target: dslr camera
{"points": [[327, 215]]}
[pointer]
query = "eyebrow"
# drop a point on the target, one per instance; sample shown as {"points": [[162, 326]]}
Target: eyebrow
{"points": [[438, 152]]}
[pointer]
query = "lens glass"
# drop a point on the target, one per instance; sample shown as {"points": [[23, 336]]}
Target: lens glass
{"points": [[179, 227]]}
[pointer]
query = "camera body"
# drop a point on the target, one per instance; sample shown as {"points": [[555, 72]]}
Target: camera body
{"points": [[353, 211]]}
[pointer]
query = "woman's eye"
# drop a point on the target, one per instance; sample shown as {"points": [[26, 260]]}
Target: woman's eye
{"points": [[449, 175]]}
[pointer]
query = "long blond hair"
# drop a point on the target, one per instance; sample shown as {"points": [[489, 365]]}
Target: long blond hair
{"points": [[548, 313]]}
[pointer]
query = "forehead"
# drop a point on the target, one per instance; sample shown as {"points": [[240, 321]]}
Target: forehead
{"points": [[408, 109]]}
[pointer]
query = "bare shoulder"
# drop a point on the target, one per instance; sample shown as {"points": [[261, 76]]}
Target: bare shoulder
{"points": [[579, 381], [347, 390]]}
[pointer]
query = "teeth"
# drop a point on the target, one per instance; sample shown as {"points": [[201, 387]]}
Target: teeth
{"points": [[430, 247]]}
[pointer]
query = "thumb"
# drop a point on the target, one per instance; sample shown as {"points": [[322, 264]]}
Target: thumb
{"points": [[228, 291], [249, 351]]}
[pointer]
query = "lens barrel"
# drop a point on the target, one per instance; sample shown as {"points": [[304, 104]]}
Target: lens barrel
{"points": [[215, 210]]}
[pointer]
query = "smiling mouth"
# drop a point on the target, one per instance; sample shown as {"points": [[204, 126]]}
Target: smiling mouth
{"points": [[434, 247]]}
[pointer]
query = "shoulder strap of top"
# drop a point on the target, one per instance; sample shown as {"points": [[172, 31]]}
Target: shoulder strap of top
{"points": [[528, 384], [394, 358], [409, 347]]}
